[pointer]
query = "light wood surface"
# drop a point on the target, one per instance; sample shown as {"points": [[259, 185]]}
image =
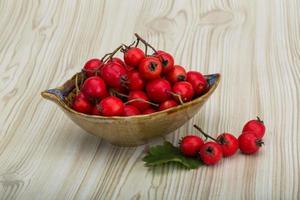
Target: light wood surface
{"points": [[255, 45]]}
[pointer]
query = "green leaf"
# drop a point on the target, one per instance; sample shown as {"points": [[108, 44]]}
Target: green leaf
{"points": [[167, 153]]}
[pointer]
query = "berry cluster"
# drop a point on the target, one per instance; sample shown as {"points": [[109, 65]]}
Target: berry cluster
{"points": [[139, 84], [224, 145]]}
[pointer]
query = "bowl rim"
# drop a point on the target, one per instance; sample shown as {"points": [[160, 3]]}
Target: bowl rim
{"points": [[45, 94]]}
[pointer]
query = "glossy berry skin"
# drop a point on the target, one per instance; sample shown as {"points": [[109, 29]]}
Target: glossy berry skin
{"points": [[190, 145], [229, 144], [114, 75], [150, 68], [167, 104], [256, 126], [135, 81], [117, 60], [133, 56], [81, 104], [158, 90], [149, 111], [92, 67], [111, 106], [94, 88], [210, 153], [176, 74], [198, 82], [166, 60], [141, 105], [185, 90], [130, 111], [249, 143]]}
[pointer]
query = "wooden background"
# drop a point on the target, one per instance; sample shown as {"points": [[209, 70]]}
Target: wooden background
{"points": [[254, 44]]}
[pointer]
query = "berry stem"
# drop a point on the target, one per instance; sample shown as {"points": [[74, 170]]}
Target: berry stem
{"points": [[118, 93], [177, 95], [145, 42], [110, 55], [139, 99], [258, 119], [137, 42], [260, 143], [76, 84], [203, 133]]}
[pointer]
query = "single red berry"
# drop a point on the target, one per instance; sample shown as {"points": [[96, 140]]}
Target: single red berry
{"points": [[198, 82], [256, 126], [167, 104], [158, 90], [133, 56], [135, 81], [114, 75], [94, 87], [81, 104], [131, 110], [176, 74], [141, 100], [92, 67], [185, 90], [229, 144], [149, 111], [150, 68], [166, 59], [249, 143], [190, 145], [111, 106], [210, 153], [117, 60]]}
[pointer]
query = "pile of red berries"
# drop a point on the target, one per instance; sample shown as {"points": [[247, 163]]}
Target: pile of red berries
{"points": [[224, 145], [141, 84]]}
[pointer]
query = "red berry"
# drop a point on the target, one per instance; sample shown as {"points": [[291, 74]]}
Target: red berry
{"points": [[114, 75], [166, 59], [210, 153], [150, 68], [135, 81], [158, 90], [177, 73], [117, 60], [190, 145], [149, 111], [167, 104], [92, 67], [198, 82], [94, 87], [255, 126], [141, 100], [131, 110], [229, 144], [111, 106], [133, 56], [185, 90], [249, 143], [81, 104]]}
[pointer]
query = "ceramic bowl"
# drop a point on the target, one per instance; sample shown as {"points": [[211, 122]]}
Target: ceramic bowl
{"points": [[133, 130]]}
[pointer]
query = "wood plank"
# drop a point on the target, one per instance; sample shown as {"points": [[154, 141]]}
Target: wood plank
{"points": [[255, 45]]}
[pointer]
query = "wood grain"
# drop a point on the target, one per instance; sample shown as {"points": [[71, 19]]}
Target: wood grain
{"points": [[255, 45]]}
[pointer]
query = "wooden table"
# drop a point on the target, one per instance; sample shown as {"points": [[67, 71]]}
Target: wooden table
{"points": [[255, 45]]}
